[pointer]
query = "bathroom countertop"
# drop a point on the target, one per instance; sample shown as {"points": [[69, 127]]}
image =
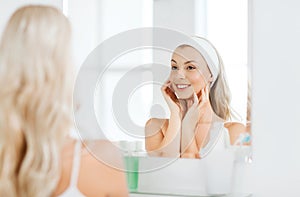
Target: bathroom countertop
{"points": [[141, 194]]}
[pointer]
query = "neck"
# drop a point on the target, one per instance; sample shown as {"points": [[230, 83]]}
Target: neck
{"points": [[187, 103]]}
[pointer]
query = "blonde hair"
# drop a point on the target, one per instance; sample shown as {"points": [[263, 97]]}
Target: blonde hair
{"points": [[36, 80], [220, 95]]}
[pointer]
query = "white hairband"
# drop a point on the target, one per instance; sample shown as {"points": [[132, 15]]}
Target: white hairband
{"points": [[208, 52]]}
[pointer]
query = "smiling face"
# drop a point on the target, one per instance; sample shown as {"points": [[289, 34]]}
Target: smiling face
{"points": [[189, 72]]}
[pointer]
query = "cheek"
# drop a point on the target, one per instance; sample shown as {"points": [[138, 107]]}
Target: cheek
{"points": [[172, 76], [197, 82]]}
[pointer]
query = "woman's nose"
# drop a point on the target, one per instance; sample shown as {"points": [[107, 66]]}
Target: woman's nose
{"points": [[180, 73]]}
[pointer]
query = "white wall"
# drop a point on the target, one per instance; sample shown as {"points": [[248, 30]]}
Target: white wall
{"points": [[175, 14], [276, 83], [85, 28], [93, 21], [227, 29]]}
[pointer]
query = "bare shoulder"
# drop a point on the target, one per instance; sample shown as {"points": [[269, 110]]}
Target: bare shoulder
{"points": [[103, 151], [102, 170], [101, 167], [234, 130], [235, 126], [100, 144], [155, 124]]}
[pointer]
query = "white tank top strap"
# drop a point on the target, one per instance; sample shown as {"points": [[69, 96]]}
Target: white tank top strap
{"points": [[219, 139], [76, 164], [72, 190]]}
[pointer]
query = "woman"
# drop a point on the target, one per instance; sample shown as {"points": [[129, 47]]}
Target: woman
{"points": [[37, 158], [198, 97]]}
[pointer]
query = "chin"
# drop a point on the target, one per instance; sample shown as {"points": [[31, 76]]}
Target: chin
{"points": [[184, 96]]}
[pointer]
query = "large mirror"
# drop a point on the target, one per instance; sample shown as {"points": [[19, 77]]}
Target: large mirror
{"points": [[128, 94]]}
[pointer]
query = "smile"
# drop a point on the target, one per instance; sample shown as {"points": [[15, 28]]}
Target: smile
{"points": [[182, 86]]}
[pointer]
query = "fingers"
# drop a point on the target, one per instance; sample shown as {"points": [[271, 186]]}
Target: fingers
{"points": [[190, 103], [166, 84], [207, 91], [168, 91], [165, 87], [204, 96], [196, 100]]}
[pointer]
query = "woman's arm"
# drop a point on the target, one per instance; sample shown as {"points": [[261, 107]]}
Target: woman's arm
{"points": [[196, 124], [163, 136], [235, 129], [189, 147]]}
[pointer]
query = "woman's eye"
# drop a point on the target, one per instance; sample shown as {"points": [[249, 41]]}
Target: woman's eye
{"points": [[174, 67], [191, 67]]}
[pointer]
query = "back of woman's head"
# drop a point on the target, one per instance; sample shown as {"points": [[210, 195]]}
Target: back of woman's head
{"points": [[36, 79]]}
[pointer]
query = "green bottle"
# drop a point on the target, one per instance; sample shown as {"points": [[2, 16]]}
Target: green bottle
{"points": [[132, 165], [132, 172]]}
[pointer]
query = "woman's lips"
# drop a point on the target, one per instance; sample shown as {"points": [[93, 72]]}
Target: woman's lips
{"points": [[182, 87]]}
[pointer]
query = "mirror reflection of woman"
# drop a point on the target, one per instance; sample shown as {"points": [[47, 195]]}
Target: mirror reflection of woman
{"points": [[198, 98]]}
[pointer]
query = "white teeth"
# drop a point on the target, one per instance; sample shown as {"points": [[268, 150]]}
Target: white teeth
{"points": [[182, 86]]}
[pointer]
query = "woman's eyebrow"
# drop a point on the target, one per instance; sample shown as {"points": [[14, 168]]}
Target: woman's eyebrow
{"points": [[172, 60], [190, 61]]}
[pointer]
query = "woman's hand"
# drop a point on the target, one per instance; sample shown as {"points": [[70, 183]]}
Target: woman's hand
{"points": [[196, 123], [199, 110], [171, 99]]}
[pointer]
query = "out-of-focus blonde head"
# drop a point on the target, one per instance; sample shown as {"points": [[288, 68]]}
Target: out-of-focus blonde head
{"points": [[36, 83]]}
